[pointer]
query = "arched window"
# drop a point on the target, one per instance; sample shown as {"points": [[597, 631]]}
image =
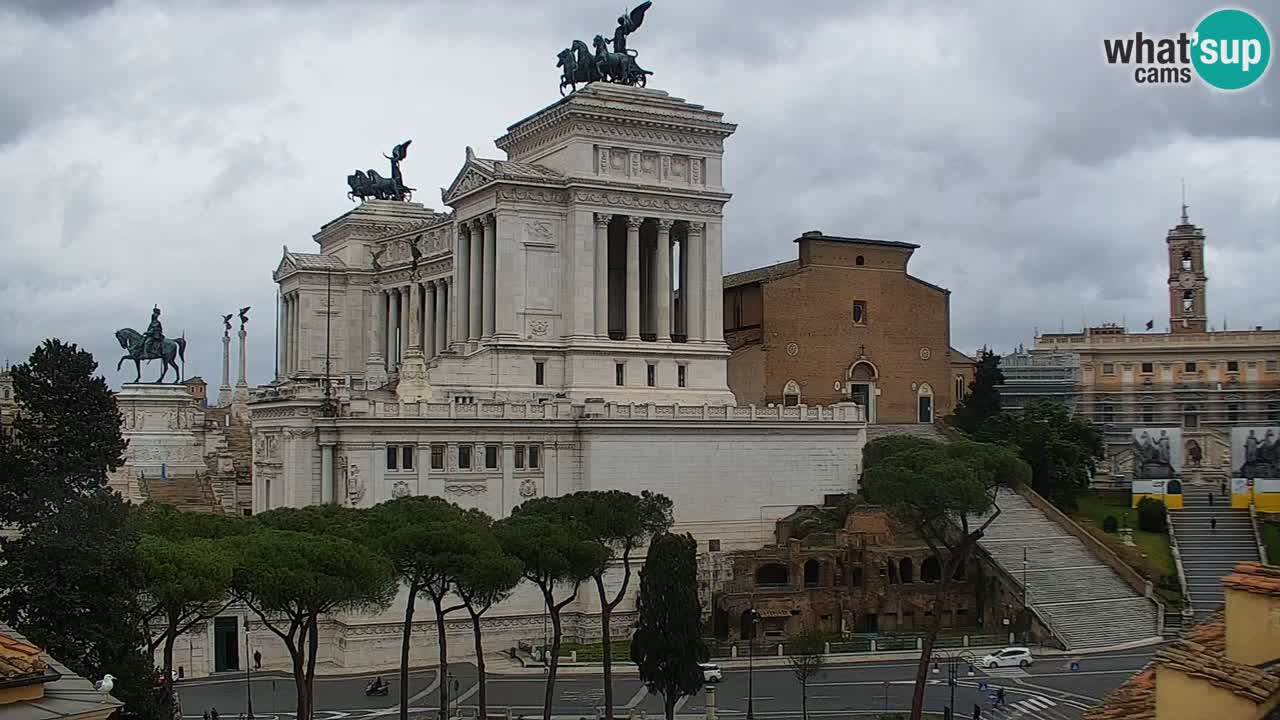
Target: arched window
{"points": [[1190, 416], [930, 570], [812, 573], [1188, 301], [791, 394], [772, 574], [959, 389], [906, 571], [1108, 413], [1186, 259]]}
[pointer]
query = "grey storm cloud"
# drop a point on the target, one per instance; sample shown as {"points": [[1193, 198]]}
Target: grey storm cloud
{"points": [[164, 152]]}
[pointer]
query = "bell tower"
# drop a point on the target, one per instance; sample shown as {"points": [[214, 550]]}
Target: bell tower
{"points": [[1188, 312]]}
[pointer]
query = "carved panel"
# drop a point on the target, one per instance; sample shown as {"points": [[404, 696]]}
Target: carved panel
{"points": [[679, 167], [532, 195], [648, 202], [603, 167], [695, 171], [617, 161], [539, 327], [648, 166]]}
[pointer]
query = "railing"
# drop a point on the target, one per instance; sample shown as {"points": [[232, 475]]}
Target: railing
{"points": [[591, 410], [1257, 533], [1177, 559]]}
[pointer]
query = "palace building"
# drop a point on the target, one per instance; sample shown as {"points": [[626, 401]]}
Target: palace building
{"points": [[558, 329], [845, 322], [1209, 389]]}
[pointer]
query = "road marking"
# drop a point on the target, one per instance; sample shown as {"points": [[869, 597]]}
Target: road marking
{"points": [[637, 698], [1004, 672], [435, 683], [467, 695], [681, 702]]}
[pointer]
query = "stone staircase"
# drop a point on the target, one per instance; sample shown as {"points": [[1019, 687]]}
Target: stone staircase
{"points": [[190, 494], [1209, 554], [1084, 601]]}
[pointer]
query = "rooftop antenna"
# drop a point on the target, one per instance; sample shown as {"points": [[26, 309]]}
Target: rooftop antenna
{"points": [[1185, 220]]}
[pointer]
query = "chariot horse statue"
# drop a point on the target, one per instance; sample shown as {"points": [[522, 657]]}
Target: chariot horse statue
{"points": [[370, 184], [619, 66], [152, 346]]}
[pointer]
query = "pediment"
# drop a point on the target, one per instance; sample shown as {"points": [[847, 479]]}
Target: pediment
{"points": [[471, 176], [286, 265]]}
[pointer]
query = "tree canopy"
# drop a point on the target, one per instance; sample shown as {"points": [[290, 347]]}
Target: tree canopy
{"points": [[667, 644], [983, 399], [1062, 449]]}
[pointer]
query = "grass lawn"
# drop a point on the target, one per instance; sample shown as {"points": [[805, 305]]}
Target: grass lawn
{"points": [[1271, 538], [1151, 557]]}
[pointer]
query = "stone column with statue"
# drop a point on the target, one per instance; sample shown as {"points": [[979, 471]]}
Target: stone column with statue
{"points": [[224, 390]]}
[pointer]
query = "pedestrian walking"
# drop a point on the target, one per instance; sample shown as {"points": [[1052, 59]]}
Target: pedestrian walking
{"points": [[1210, 498], [206, 715], [1213, 527], [213, 714], [999, 697]]}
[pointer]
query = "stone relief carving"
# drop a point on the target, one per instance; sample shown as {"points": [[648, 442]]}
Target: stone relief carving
{"points": [[355, 485], [635, 133], [469, 182], [647, 202], [679, 167], [539, 231], [534, 195], [604, 161], [539, 328], [617, 160], [400, 489], [695, 171], [528, 488], [294, 433], [465, 488]]}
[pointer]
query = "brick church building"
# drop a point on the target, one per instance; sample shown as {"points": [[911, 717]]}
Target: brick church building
{"points": [[845, 321]]}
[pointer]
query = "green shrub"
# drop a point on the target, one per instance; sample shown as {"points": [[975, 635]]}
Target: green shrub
{"points": [[1110, 524], [1151, 517]]}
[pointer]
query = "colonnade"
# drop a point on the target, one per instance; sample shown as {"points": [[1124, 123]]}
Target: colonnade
{"points": [[636, 293], [413, 317]]}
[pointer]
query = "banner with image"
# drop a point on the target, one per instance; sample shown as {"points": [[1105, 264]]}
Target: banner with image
{"points": [[1157, 453], [1255, 452]]}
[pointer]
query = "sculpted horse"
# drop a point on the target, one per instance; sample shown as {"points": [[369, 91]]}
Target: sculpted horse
{"points": [[579, 66], [618, 67], [131, 342]]}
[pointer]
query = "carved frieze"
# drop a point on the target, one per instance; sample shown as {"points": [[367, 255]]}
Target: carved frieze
{"points": [[532, 195], [641, 201], [465, 488]]}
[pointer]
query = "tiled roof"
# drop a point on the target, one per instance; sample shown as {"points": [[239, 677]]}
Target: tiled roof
{"points": [[19, 659], [1201, 654], [766, 273], [1135, 699], [1255, 578], [315, 261], [957, 356], [66, 695]]}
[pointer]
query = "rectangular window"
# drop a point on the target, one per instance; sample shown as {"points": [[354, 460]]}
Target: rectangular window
{"points": [[437, 457], [713, 545], [1148, 368], [519, 457], [1233, 413], [859, 312], [1273, 365], [680, 375], [539, 373], [1108, 369], [533, 457], [393, 455], [1189, 367], [464, 457], [651, 375], [491, 457], [619, 374], [1233, 366], [1148, 414], [406, 456]]}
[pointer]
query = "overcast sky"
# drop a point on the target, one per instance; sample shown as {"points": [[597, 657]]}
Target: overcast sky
{"points": [[163, 153]]}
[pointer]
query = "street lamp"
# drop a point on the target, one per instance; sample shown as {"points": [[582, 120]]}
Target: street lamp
{"points": [[248, 670], [953, 662], [753, 618]]}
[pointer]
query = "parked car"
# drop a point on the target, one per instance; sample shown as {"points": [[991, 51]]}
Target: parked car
{"points": [[711, 673], [1008, 657]]}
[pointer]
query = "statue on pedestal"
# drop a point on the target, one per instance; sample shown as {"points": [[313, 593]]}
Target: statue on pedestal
{"points": [[365, 185], [619, 66], [151, 345]]}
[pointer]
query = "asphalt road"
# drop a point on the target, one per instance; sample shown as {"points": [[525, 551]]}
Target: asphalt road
{"points": [[1048, 690]]}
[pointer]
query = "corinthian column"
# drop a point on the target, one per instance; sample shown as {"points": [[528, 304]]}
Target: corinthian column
{"points": [[662, 301], [602, 275], [462, 275], [633, 276], [393, 328], [429, 320], [490, 274], [415, 317], [475, 304], [442, 315], [696, 300]]}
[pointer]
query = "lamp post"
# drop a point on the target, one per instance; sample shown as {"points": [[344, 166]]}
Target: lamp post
{"points": [[953, 661], [753, 618], [248, 670]]}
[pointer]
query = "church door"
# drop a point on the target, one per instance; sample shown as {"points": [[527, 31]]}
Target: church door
{"points": [[926, 409], [226, 644]]}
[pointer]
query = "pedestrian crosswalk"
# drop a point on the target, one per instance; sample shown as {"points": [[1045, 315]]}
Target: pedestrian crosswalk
{"points": [[1035, 707], [1004, 672]]}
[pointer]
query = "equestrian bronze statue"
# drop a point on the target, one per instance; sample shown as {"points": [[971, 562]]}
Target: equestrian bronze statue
{"points": [[152, 345]]}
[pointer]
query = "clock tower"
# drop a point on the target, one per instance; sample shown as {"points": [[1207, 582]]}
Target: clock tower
{"points": [[1188, 312]]}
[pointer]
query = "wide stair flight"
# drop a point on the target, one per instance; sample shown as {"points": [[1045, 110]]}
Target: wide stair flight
{"points": [[1085, 602], [1209, 553]]}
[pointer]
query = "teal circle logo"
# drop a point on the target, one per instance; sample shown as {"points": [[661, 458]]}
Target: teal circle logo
{"points": [[1232, 49]]}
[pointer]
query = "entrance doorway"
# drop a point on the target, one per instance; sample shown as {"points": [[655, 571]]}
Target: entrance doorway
{"points": [[924, 404], [862, 378], [226, 644]]}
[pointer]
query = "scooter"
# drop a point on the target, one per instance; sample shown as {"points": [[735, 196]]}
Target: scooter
{"points": [[376, 690]]}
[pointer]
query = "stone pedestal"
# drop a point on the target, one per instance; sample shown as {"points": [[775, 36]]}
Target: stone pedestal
{"points": [[224, 390], [413, 385], [164, 427]]}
